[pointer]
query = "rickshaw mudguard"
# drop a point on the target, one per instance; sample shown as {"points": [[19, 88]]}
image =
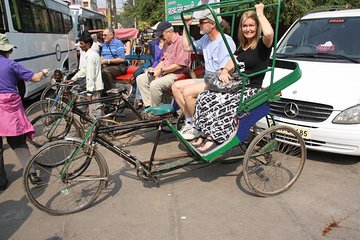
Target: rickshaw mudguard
{"points": [[247, 120]]}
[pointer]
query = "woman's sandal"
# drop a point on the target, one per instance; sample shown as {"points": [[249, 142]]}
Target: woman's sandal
{"points": [[199, 141], [209, 144]]}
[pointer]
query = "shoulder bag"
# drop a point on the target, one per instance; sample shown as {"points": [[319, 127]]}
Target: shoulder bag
{"points": [[216, 85]]}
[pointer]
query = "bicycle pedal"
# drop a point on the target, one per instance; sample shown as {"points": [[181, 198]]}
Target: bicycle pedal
{"points": [[156, 181]]}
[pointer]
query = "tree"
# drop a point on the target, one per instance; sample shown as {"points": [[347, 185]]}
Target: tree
{"points": [[149, 12], [146, 12]]}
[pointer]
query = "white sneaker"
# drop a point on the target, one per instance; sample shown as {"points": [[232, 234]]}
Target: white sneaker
{"points": [[191, 134], [187, 127]]}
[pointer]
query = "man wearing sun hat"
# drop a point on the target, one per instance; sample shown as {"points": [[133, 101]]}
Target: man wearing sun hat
{"points": [[14, 124], [216, 55], [155, 47], [155, 42], [175, 62]]}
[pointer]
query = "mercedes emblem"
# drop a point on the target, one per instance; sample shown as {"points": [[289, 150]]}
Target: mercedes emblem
{"points": [[291, 110]]}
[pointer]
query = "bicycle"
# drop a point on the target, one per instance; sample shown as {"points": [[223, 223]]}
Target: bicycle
{"points": [[53, 126]]}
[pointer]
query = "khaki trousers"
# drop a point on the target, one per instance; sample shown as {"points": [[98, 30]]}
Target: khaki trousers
{"points": [[152, 90]]}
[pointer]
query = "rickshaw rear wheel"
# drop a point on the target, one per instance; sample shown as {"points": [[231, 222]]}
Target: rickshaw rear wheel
{"points": [[274, 160]]}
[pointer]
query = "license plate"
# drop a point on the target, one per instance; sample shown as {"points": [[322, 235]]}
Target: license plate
{"points": [[304, 132]]}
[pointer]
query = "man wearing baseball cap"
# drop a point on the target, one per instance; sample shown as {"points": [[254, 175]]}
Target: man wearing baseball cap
{"points": [[216, 55], [175, 62]]}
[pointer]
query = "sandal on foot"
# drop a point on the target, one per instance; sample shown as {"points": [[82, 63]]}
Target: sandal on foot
{"points": [[199, 141], [209, 145]]}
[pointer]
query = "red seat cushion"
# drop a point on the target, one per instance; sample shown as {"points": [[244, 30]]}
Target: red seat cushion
{"points": [[129, 75], [126, 77], [131, 69], [199, 71]]}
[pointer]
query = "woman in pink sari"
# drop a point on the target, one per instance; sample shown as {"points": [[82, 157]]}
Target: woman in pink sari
{"points": [[14, 124]]}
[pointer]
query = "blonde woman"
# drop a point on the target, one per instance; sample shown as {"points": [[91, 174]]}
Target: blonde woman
{"points": [[215, 114]]}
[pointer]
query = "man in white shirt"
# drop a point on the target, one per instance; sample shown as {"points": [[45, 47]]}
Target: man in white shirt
{"points": [[91, 71]]}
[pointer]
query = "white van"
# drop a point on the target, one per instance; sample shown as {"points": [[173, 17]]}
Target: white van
{"points": [[324, 105]]}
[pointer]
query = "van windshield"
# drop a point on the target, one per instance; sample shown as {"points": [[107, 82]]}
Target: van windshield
{"points": [[333, 38]]}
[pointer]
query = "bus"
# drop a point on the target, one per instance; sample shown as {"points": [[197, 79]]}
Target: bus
{"points": [[42, 31], [86, 19]]}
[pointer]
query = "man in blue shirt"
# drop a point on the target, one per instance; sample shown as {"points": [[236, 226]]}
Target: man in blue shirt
{"points": [[112, 58]]}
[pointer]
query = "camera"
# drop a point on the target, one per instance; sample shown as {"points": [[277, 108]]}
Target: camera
{"points": [[150, 75]]}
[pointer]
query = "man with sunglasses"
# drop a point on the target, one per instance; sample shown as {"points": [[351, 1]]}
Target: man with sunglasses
{"points": [[175, 61], [216, 55], [112, 58]]}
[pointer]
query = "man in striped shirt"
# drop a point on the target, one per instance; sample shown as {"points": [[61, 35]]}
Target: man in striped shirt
{"points": [[112, 58]]}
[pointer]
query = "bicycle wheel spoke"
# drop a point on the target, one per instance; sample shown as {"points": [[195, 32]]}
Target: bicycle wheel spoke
{"points": [[67, 185]]}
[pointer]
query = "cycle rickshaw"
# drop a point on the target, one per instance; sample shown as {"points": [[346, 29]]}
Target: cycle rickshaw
{"points": [[73, 171]]}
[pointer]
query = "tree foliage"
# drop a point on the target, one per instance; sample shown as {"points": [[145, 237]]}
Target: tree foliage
{"points": [[294, 9], [149, 12], [146, 12]]}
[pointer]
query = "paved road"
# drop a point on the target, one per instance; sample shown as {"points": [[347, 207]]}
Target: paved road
{"points": [[207, 203]]}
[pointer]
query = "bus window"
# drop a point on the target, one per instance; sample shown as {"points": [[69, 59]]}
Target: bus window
{"points": [[15, 15], [68, 24], [3, 26], [56, 22], [27, 18], [98, 24], [86, 19], [35, 18], [88, 24], [41, 19]]}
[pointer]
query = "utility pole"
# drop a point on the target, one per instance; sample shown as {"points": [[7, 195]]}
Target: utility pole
{"points": [[114, 14], [109, 12], [134, 17]]}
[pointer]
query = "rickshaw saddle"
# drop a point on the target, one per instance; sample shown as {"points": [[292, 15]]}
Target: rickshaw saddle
{"points": [[160, 110]]}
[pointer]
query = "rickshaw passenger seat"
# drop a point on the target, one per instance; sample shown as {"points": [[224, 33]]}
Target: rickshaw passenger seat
{"points": [[129, 75], [198, 69]]}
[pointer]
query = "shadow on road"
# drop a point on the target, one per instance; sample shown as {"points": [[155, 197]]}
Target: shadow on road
{"points": [[13, 214], [332, 158]]}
